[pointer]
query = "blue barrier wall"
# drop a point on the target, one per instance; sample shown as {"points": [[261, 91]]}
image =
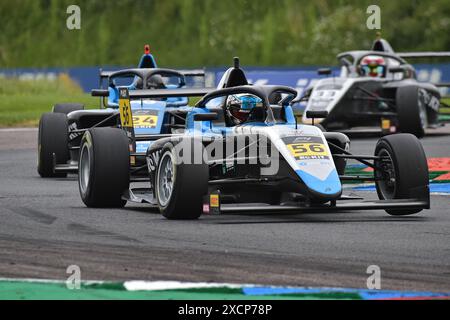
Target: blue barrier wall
{"points": [[299, 78], [86, 77]]}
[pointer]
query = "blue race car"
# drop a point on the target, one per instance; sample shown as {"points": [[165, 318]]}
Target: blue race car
{"points": [[241, 150], [60, 131]]}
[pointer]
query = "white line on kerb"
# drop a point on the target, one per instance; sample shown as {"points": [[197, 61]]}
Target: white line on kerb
{"points": [[19, 130], [174, 285], [141, 285]]}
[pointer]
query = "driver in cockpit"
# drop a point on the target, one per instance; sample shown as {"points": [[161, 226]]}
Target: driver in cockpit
{"points": [[373, 66], [242, 108], [154, 82]]}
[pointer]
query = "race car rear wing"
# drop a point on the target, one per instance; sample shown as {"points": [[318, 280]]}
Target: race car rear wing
{"points": [[170, 93], [442, 85], [195, 75], [421, 55], [418, 55], [160, 93], [188, 74]]}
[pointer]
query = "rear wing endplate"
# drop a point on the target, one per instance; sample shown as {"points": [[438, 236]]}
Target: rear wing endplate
{"points": [[126, 117]]}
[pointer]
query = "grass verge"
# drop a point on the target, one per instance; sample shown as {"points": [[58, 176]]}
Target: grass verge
{"points": [[22, 102]]}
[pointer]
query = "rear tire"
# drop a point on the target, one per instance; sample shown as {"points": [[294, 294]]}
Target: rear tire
{"points": [[404, 170], [52, 139], [67, 108], [411, 111], [179, 187], [104, 168]]}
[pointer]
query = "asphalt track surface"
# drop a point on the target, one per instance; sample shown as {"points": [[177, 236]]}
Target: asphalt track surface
{"points": [[45, 227]]}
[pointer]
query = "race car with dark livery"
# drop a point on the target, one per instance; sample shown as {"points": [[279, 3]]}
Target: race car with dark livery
{"points": [[376, 88]]}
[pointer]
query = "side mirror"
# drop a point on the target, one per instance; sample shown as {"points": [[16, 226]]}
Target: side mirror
{"points": [[324, 72], [316, 114], [206, 116], [100, 93]]}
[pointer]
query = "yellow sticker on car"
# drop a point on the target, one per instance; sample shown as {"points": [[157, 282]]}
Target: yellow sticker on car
{"points": [[145, 121], [303, 151], [385, 124], [214, 201], [126, 115]]}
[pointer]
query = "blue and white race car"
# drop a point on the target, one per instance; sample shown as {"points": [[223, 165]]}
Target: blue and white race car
{"points": [[60, 131], [240, 150]]}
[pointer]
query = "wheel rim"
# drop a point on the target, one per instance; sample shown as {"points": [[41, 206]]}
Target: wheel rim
{"points": [[166, 179], [385, 174], [85, 168]]}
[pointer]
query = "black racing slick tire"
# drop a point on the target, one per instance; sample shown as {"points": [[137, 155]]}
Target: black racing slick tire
{"points": [[67, 108], [52, 144], [411, 111], [104, 168], [402, 173], [180, 187]]}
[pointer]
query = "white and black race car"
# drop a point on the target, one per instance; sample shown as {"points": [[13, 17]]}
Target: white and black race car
{"points": [[376, 88]]}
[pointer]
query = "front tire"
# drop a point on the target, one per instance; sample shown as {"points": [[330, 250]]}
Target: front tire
{"points": [[411, 111], [403, 171], [52, 142], [104, 168], [180, 187]]}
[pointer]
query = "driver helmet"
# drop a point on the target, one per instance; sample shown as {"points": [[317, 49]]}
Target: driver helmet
{"points": [[156, 82], [239, 107], [373, 66]]}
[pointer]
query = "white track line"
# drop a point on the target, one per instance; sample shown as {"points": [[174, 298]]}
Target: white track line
{"points": [[175, 285], [140, 285], [18, 130]]}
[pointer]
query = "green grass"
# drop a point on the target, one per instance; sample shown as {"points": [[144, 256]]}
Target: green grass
{"points": [[22, 102]]}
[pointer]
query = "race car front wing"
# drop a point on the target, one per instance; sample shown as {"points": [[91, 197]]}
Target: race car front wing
{"points": [[213, 206]]}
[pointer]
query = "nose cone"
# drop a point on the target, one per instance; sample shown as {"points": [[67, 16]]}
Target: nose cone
{"points": [[328, 189]]}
